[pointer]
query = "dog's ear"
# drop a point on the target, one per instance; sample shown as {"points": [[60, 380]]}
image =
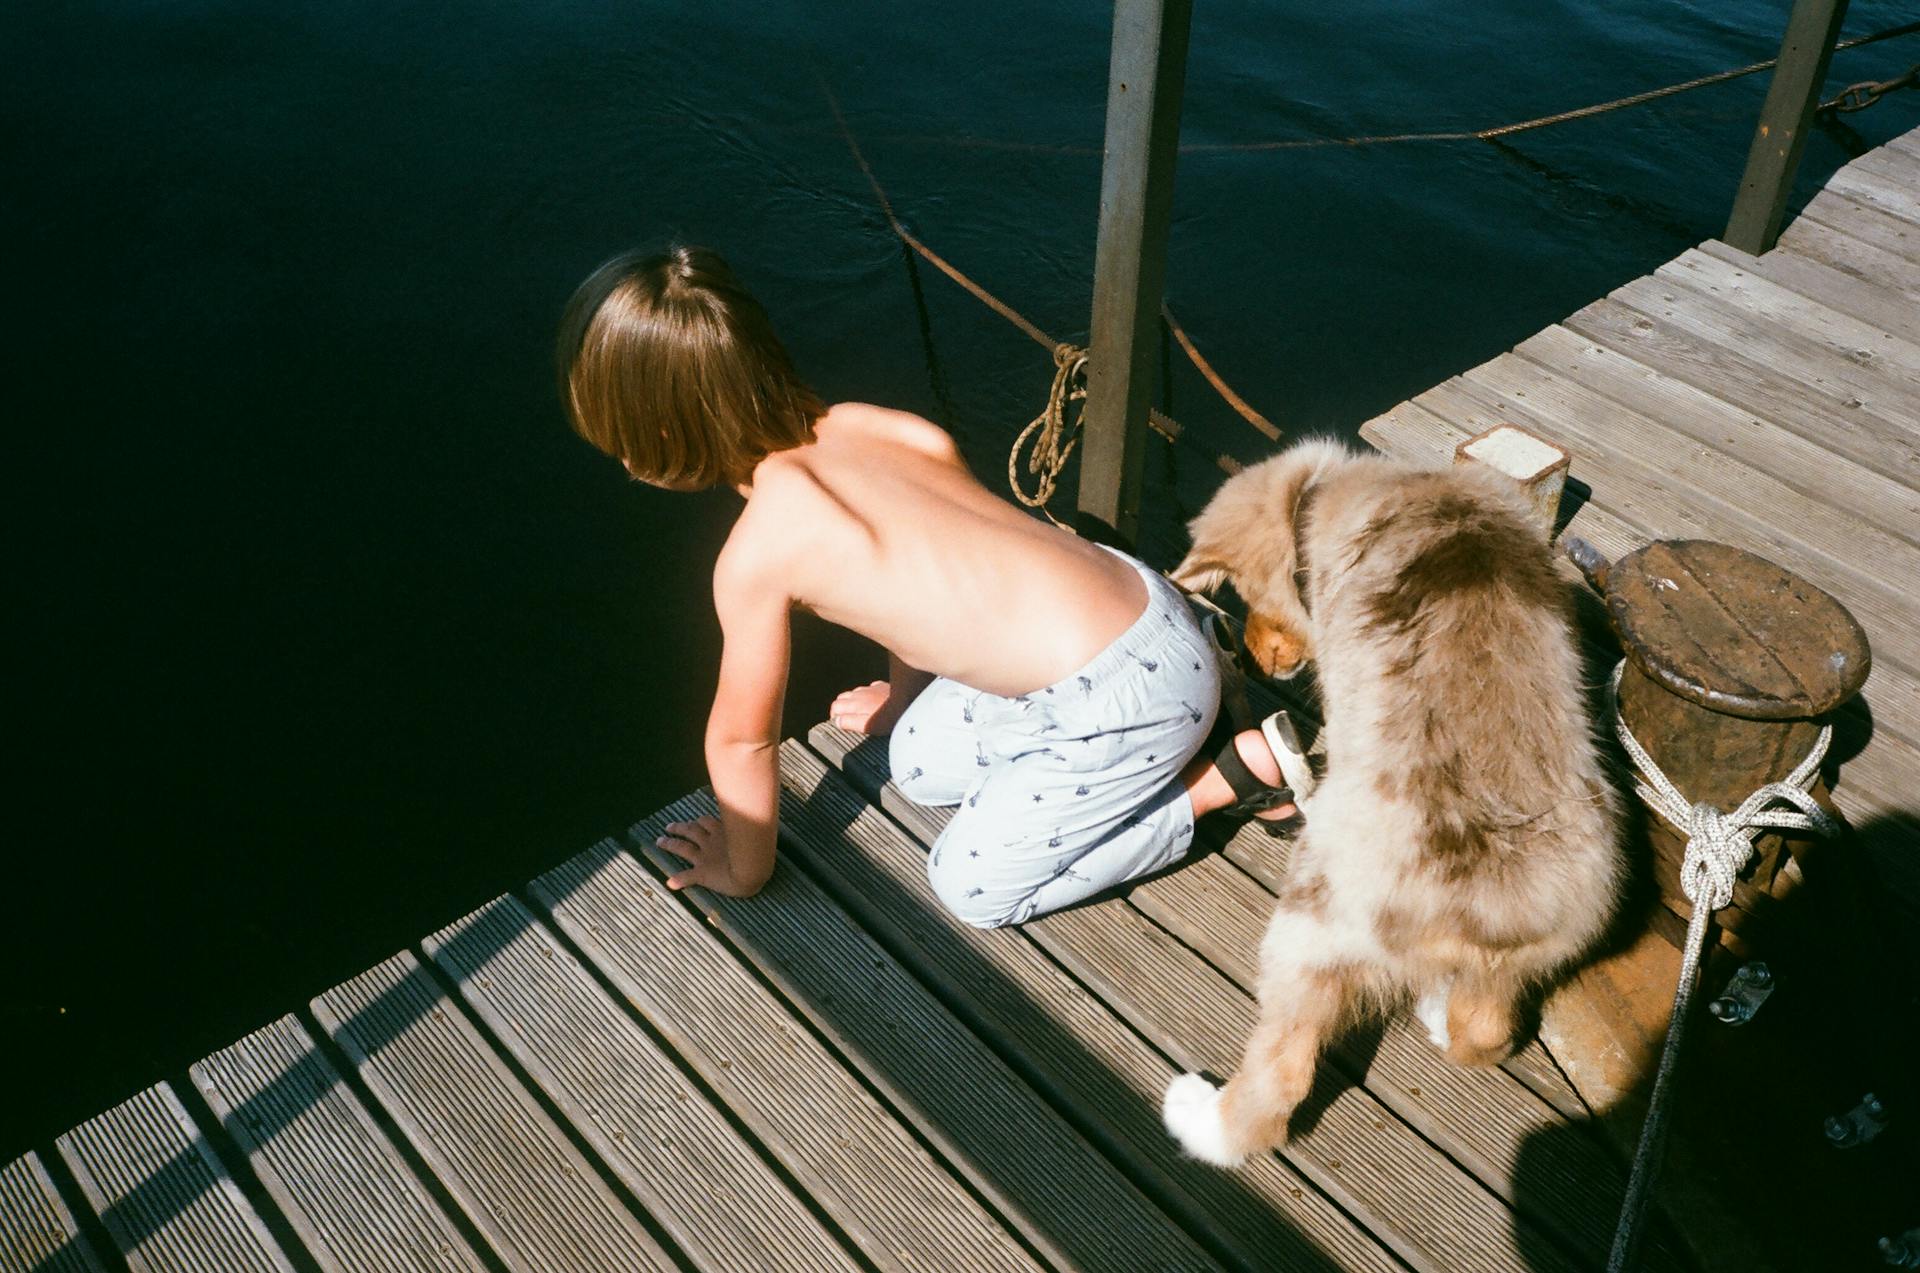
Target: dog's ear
{"points": [[1202, 571]]}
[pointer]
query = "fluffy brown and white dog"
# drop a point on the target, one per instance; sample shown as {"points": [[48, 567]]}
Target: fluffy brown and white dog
{"points": [[1463, 845]]}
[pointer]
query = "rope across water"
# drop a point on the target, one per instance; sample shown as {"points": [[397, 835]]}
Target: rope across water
{"points": [[1718, 846]]}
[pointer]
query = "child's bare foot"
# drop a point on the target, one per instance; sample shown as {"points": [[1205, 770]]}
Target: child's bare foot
{"points": [[867, 709]]}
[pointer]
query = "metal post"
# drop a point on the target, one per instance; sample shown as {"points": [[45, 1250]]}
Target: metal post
{"points": [[1145, 76], [1761, 204]]}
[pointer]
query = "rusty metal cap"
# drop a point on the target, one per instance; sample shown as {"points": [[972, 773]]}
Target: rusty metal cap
{"points": [[1733, 632]]}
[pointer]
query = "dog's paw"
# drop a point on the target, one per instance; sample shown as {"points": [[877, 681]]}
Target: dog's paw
{"points": [[1432, 1012], [1191, 1111]]}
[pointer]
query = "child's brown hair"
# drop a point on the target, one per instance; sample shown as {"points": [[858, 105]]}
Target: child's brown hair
{"points": [[669, 365]]}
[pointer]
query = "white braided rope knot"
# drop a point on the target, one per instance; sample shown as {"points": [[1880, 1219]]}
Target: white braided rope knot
{"points": [[1719, 844]]}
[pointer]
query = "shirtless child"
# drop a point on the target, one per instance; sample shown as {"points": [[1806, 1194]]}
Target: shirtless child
{"points": [[1055, 690]]}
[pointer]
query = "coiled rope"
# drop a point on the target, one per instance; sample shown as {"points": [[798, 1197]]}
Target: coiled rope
{"points": [[1053, 440], [1718, 846]]}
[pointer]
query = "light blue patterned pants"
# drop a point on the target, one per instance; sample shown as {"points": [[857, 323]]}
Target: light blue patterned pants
{"points": [[1070, 789]]}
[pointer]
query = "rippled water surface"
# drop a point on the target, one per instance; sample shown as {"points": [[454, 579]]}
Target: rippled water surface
{"points": [[332, 632]]}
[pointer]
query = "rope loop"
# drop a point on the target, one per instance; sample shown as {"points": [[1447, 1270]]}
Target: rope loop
{"points": [[1053, 438], [1719, 843], [1718, 846]]}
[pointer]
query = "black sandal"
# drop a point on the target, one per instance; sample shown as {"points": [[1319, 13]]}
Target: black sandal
{"points": [[1252, 795]]}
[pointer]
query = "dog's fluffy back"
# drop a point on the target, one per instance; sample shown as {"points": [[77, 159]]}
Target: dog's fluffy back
{"points": [[1466, 823]]}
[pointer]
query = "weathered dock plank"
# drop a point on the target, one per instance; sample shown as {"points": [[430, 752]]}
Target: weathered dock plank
{"points": [[877, 1181], [1820, 369], [1878, 306], [1863, 561], [1072, 1204], [1775, 389], [38, 1233], [167, 1200], [506, 1164], [1691, 483], [1067, 1043], [1878, 780], [1851, 255], [1665, 489], [1814, 471], [1865, 344], [719, 1201], [344, 1189], [1875, 183], [1837, 211], [1426, 1209]]}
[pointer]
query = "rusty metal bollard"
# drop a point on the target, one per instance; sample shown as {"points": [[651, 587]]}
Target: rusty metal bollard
{"points": [[1730, 660]]}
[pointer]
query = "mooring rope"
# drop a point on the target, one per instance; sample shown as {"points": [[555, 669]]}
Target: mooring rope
{"points": [[1165, 426], [1461, 134], [1718, 846]]}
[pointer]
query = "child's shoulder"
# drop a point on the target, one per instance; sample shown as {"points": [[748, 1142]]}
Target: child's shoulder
{"points": [[863, 422]]}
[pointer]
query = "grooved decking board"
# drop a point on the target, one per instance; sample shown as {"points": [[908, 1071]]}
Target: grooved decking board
{"points": [[1847, 555], [1812, 240], [37, 1230], [719, 1201], [1812, 469], [1864, 299], [342, 1186], [526, 1189], [1744, 377], [162, 1192], [1068, 1043], [1424, 1208], [873, 1177], [1071, 1203], [1870, 225], [1510, 1139]]}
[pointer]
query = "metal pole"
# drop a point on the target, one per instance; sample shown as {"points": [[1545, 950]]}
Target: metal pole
{"points": [[1145, 76], [1792, 96]]}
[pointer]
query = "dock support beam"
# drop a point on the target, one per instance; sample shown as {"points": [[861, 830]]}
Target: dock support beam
{"points": [[1145, 78], [1805, 53]]}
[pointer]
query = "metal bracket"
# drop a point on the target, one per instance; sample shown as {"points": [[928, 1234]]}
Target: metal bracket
{"points": [[1858, 1125], [1746, 990]]}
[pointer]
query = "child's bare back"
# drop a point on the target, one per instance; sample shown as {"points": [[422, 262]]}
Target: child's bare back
{"points": [[878, 526], [1031, 669]]}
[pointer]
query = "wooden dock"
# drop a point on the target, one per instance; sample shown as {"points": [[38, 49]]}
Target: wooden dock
{"points": [[594, 1073]]}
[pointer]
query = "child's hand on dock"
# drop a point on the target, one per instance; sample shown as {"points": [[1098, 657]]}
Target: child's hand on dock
{"points": [[868, 709], [703, 842]]}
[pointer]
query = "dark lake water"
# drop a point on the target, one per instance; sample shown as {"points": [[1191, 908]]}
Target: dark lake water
{"points": [[328, 629]]}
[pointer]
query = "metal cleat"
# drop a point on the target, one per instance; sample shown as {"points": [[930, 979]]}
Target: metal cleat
{"points": [[1746, 990], [1858, 1125]]}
